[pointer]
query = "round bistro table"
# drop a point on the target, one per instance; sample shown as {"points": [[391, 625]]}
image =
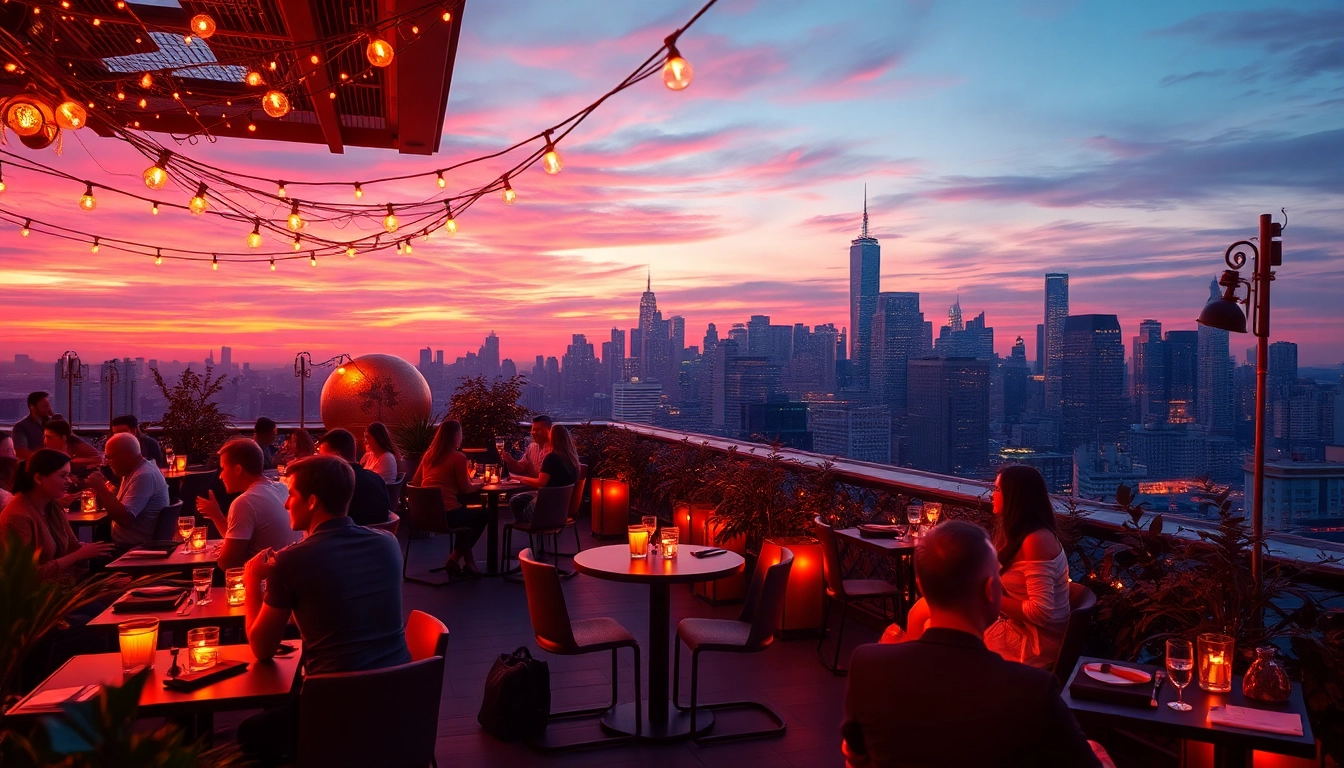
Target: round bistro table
{"points": [[493, 491], [614, 563]]}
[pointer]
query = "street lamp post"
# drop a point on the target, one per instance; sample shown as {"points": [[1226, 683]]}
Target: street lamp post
{"points": [[1225, 313], [303, 369], [110, 377], [72, 370]]}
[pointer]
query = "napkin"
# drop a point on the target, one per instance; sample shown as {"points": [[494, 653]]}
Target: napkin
{"points": [[875, 531], [1286, 723], [130, 603], [55, 697]]}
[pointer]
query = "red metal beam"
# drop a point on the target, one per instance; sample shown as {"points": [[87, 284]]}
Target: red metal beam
{"points": [[299, 21], [419, 100]]}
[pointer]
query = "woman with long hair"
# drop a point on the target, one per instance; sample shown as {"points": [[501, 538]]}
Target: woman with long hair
{"points": [[381, 456], [559, 468], [1034, 569], [35, 517], [444, 466], [299, 444]]}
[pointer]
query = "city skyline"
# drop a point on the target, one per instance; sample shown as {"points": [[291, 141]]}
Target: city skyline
{"points": [[1126, 153]]}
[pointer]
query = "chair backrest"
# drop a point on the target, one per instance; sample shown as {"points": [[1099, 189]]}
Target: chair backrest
{"points": [[576, 499], [199, 485], [424, 509], [426, 636], [1082, 606], [546, 605], [552, 508], [385, 717], [165, 528], [394, 491], [390, 525], [832, 572], [764, 608]]}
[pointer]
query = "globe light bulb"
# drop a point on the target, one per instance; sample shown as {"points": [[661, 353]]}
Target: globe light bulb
{"points": [[390, 222], [359, 190], [71, 116], [509, 195], [379, 52], [450, 226], [214, 262], [26, 231], [295, 221], [400, 248], [408, 246], [158, 257], [341, 370], [25, 118], [447, 16], [155, 177], [87, 201], [202, 26], [254, 79], [254, 239], [146, 80], [550, 162], [677, 72], [198, 202], [272, 263], [350, 251], [154, 208], [94, 248], [276, 104], [441, 181]]}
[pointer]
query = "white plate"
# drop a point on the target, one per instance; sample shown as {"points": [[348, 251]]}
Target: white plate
{"points": [[1094, 671]]}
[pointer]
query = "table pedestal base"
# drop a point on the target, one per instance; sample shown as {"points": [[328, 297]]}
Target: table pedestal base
{"points": [[621, 720]]}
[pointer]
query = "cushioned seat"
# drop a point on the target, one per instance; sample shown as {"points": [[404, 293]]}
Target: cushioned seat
{"points": [[714, 634], [838, 588], [601, 634], [866, 588]]}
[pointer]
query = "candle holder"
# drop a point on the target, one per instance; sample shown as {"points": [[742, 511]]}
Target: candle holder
{"points": [[137, 639], [88, 502], [202, 648], [181, 462], [1215, 662], [669, 537], [198, 535], [234, 590], [639, 542]]}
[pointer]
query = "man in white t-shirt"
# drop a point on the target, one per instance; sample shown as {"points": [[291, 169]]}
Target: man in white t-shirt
{"points": [[257, 518]]}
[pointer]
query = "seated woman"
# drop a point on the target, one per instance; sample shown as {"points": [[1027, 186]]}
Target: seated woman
{"points": [[444, 466], [1035, 573], [35, 516], [559, 468], [380, 453], [298, 445]]}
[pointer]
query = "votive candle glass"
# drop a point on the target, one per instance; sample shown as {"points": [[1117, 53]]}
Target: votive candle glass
{"points": [[203, 647], [234, 590], [639, 541], [137, 638]]}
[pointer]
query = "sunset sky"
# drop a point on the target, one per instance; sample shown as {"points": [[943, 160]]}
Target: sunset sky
{"points": [[1124, 143]]}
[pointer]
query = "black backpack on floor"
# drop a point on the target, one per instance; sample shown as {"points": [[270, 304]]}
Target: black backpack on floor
{"points": [[517, 702]]}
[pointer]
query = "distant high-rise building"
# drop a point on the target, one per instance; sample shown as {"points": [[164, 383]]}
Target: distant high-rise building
{"points": [[1181, 355], [1282, 366], [850, 430], [507, 369], [779, 422], [1214, 397], [812, 365], [648, 307], [613, 356], [711, 339], [226, 359], [959, 339], [865, 266], [948, 419], [1056, 312], [1149, 386], [1093, 406], [740, 380], [635, 401], [954, 321], [489, 356], [1016, 370], [1038, 365], [899, 334], [578, 373]]}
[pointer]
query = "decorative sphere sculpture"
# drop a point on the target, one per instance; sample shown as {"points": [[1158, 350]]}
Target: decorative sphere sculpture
{"points": [[374, 388]]}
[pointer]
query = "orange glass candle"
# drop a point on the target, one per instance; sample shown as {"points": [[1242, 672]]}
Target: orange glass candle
{"points": [[639, 541], [668, 539], [203, 647], [198, 538], [1214, 652], [138, 638], [234, 590]]}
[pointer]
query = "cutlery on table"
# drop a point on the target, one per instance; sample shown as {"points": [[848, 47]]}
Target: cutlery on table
{"points": [[185, 609], [1158, 677]]}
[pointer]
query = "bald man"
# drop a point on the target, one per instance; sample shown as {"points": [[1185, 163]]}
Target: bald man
{"points": [[134, 506]]}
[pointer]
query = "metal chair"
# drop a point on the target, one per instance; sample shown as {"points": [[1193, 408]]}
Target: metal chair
{"points": [[1082, 607], [838, 588], [425, 512], [752, 632], [426, 636], [556, 633], [385, 717], [390, 526], [165, 527], [549, 516], [395, 490], [576, 501]]}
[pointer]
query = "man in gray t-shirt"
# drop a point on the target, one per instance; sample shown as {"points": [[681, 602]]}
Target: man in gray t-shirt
{"points": [[134, 507], [257, 518], [28, 432]]}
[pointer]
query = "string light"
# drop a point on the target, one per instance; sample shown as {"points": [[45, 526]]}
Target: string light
{"points": [[281, 191], [71, 116], [27, 227], [677, 72], [450, 226], [408, 245], [276, 104], [146, 81], [2, 180], [254, 239], [400, 248], [441, 181], [447, 16], [203, 26], [379, 52], [157, 174], [254, 79], [509, 195], [272, 263], [198, 203], [295, 222], [390, 220], [359, 190], [350, 251], [314, 59], [154, 208], [94, 248], [214, 262], [312, 259], [298, 243], [87, 201], [158, 256], [550, 161]]}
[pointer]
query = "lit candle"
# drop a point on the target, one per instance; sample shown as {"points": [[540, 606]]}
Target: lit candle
{"points": [[181, 463], [639, 541], [138, 638], [670, 536], [203, 643], [1215, 662], [198, 538], [235, 592]]}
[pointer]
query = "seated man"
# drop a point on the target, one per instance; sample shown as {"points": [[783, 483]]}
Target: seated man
{"points": [[370, 504], [257, 518], [911, 704], [530, 464], [342, 584], [28, 431], [134, 506], [149, 447], [59, 436], [265, 433]]}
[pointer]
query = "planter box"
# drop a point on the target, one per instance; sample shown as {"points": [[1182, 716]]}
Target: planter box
{"points": [[704, 531], [805, 600], [611, 508]]}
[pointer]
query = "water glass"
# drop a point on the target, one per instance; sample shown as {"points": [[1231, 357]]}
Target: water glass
{"points": [[169, 458], [198, 535], [201, 578], [668, 538], [138, 638], [186, 524], [235, 592], [639, 542], [202, 648], [931, 512], [914, 514], [1180, 668]]}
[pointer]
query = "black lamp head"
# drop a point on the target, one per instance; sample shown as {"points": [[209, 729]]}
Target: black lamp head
{"points": [[1225, 313]]}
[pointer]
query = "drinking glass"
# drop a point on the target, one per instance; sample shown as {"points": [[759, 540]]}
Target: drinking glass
{"points": [[668, 539], [932, 511], [137, 638], [234, 590], [200, 581], [639, 541], [650, 522], [198, 535], [169, 458], [280, 468], [185, 525], [499, 447], [471, 470], [1180, 668], [181, 462], [202, 648], [1215, 662], [88, 503], [914, 514]]}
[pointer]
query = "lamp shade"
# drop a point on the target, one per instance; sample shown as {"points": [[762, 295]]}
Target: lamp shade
{"points": [[1224, 314]]}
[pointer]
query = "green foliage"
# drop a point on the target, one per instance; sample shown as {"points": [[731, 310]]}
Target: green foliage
{"points": [[31, 607], [756, 500], [488, 410], [102, 733], [624, 455], [821, 493], [193, 422], [414, 436], [683, 473]]}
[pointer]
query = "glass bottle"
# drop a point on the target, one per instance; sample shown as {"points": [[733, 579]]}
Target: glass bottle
{"points": [[1266, 679]]}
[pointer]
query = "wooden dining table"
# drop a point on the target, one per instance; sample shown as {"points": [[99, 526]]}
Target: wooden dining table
{"points": [[614, 563], [216, 613], [178, 560]]}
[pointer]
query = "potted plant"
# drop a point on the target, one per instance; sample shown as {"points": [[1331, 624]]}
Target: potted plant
{"points": [[193, 422], [413, 438], [487, 410]]}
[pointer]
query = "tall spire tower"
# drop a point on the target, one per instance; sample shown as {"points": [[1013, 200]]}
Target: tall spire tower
{"points": [[865, 266], [864, 234]]}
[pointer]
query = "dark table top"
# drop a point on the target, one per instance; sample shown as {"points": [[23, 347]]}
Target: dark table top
{"points": [[1194, 725], [901, 545], [178, 560], [218, 611], [615, 564], [86, 518], [265, 683]]}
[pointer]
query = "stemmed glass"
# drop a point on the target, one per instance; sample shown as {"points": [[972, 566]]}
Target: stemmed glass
{"points": [[499, 447], [471, 470], [1180, 668], [186, 524], [914, 514]]}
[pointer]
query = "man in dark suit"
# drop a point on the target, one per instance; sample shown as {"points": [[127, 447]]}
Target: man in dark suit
{"points": [[370, 504], [946, 700]]}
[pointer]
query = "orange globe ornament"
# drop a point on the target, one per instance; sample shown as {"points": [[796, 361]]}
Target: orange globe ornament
{"points": [[25, 116], [374, 388], [677, 72], [276, 104], [71, 116], [202, 26]]}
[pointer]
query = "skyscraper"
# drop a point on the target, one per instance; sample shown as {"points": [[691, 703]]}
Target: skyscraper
{"points": [[489, 356], [899, 334], [1093, 407], [1015, 370], [865, 266], [648, 307], [1056, 312], [1150, 374], [1213, 400], [1282, 367], [949, 415], [1182, 363], [579, 371], [852, 430]]}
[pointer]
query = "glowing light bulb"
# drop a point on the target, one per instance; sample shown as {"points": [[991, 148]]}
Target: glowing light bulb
{"points": [[156, 175], [340, 370], [280, 192], [550, 161], [94, 248], [254, 79], [314, 59], [26, 231], [143, 103], [254, 239], [509, 195], [146, 80], [400, 248], [198, 202], [408, 246], [272, 263], [203, 26], [154, 208], [158, 256], [447, 16], [379, 52], [87, 201], [298, 243], [214, 262], [450, 226], [359, 191], [390, 222], [441, 181], [350, 251], [295, 221], [276, 104], [677, 72], [71, 116], [312, 259]]}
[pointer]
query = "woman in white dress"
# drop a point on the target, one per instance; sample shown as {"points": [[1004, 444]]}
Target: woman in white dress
{"points": [[380, 453]]}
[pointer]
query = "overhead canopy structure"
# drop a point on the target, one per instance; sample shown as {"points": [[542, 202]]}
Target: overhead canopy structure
{"points": [[100, 52]]}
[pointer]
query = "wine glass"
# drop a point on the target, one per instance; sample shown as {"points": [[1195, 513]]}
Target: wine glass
{"points": [[471, 470], [1180, 668], [914, 514], [185, 525], [499, 447], [170, 459]]}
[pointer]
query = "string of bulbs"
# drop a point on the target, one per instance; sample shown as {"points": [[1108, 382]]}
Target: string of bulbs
{"points": [[424, 217]]}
